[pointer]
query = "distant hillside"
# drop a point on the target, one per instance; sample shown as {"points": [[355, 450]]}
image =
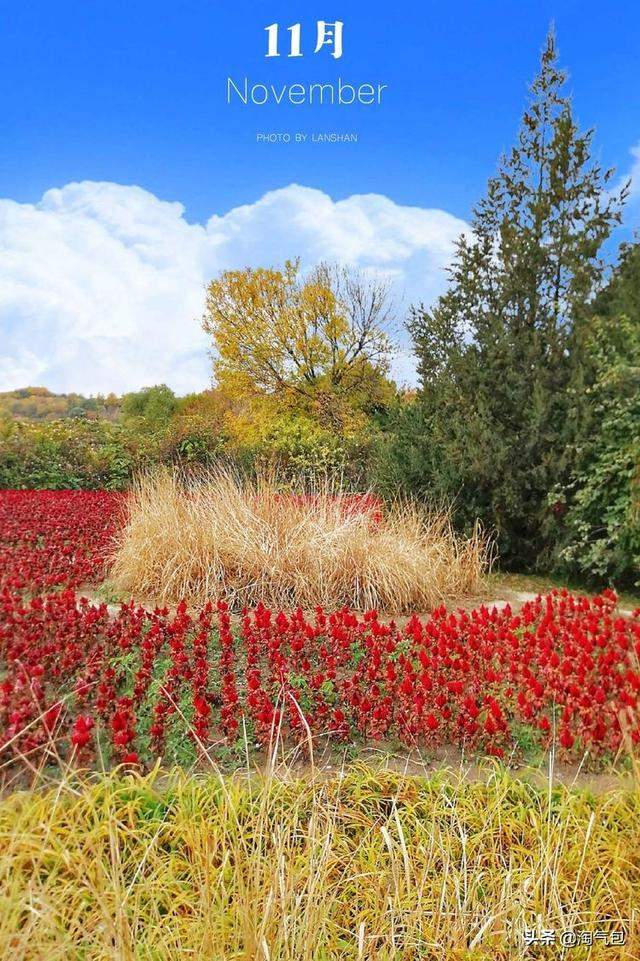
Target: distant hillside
{"points": [[40, 404]]}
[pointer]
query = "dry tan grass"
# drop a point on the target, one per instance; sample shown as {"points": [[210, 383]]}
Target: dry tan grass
{"points": [[219, 536]]}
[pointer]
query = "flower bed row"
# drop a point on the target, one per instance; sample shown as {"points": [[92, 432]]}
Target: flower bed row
{"points": [[141, 684]]}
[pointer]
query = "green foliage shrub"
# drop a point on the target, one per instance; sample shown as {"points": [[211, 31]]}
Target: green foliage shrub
{"points": [[599, 507], [192, 439], [78, 453], [297, 446], [73, 453]]}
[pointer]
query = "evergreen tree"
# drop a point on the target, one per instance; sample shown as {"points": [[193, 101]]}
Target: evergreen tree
{"points": [[494, 354]]}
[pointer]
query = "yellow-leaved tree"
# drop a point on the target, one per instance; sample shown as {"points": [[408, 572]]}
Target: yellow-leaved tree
{"points": [[317, 343]]}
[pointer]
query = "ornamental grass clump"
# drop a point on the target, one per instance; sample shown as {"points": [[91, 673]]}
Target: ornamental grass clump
{"points": [[220, 536]]}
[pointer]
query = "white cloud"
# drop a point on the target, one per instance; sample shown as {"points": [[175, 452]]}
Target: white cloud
{"points": [[630, 178], [634, 174], [102, 285]]}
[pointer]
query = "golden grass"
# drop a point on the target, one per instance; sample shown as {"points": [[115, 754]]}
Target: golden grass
{"points": [[218, 536], [368, 865]]}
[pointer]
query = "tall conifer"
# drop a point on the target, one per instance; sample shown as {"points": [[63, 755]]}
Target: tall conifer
{"points": [[494, 353]]}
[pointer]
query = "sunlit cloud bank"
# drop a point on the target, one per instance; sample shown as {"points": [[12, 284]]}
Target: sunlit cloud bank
{"points": [[102, 285]]}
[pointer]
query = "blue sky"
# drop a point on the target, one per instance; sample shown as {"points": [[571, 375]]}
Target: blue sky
{"points": [[113, 96]]}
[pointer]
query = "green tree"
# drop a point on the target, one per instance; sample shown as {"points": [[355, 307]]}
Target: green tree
{"points": [[598, 509], [151, 407], [494, 354]]}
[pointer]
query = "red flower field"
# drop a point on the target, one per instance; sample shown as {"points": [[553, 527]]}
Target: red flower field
{"points": [[76, 678], [55, 538]]}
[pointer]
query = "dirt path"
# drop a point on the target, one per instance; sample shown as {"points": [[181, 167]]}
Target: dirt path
{"points": [[547, 772], [499, 599]]}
